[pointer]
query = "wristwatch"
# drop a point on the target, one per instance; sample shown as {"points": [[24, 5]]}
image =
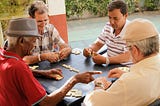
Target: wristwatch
{"points": [[107, 61]]}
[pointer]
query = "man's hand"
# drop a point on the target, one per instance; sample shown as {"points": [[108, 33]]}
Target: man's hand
{"points": [[50, 56], [87, 52], [85, 77], [53, 73], [98, 59], [64, 53], [101, 83], [115, 73]]}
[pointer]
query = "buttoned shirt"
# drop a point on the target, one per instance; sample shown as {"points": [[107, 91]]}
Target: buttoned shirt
{"points": [[139, 87], [49, 40]]}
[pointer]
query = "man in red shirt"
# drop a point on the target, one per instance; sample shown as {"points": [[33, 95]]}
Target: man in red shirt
{"points": [[18, 85]]}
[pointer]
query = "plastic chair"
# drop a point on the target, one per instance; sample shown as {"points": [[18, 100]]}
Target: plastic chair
{"points": [[155, 103]]}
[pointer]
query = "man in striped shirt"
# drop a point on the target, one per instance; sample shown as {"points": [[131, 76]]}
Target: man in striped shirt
{"points": [[112, 36]]}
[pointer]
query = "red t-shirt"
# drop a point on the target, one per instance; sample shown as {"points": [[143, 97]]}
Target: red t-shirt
{"points": [[18, 87]]}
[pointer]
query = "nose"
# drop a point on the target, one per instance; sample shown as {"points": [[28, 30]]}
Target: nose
{"points": [[111, 21]]}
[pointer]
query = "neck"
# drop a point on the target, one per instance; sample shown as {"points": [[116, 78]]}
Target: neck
{"points": [[117, 31], [148, 56], [15, 50]]}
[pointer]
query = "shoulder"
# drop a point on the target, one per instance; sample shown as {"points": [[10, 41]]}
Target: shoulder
{"points": [[108, 28], [17, 65]]}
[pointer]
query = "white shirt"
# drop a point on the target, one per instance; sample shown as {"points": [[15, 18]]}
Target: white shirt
{"points": [[139, 87]]}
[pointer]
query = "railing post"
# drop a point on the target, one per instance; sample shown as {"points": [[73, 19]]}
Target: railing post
{"points": [[1, 36], [57, 15]]}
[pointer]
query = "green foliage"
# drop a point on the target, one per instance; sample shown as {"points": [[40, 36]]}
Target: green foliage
{"points": [[95, 7], [12, 8], [98, 7], [131, 5], [152, 4], [77, 7]]}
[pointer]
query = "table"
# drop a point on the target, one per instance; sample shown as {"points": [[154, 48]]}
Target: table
{"points": [[79, 62]]}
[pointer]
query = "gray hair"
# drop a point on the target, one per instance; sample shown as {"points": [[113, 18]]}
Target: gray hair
{"points": [[147, 46], [38, 6], [12, 41]]}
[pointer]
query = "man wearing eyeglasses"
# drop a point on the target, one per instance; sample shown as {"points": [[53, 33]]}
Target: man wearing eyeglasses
{"points": [[50, 46], [140, 86]]}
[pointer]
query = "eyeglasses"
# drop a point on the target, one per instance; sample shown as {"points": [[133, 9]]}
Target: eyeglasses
{"points": [[41, 21], [126, 48]]}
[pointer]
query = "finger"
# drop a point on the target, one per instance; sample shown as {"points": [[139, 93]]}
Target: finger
{"points": [[60, 73], [114, 75], [89, 51], [110, 75], [95, 72], [113, 71], [55, 71], [91, 78], [58, 69]]}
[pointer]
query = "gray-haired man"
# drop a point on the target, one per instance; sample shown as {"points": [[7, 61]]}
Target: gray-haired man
{"points": [[18, 86]]}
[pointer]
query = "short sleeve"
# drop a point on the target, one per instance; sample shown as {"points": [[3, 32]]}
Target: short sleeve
{"points": [[27, 84], [107, 31]]}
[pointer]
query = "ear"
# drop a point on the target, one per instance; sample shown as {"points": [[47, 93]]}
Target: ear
{"points": [[20, 41], [136, 51], [126, 15]]}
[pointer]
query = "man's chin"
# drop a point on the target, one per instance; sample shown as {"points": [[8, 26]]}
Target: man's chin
{"points": [[115, 27]]}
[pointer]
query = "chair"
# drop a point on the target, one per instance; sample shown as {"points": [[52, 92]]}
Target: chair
{"points": [[155, 103], [5, 45]]}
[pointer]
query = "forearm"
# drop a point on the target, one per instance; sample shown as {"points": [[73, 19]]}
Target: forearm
{"points": [[96, 46], [63, 45], [56, 96], [38, 73], [31, 59], [121, 58]]}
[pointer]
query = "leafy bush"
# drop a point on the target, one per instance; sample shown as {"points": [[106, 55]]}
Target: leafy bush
{"points": [[12, 8], [77, 7], [152, 4], [95, 7]]}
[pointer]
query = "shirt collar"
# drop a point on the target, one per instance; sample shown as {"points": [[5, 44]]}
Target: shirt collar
{"points": [[7, 54], [146, 62]]}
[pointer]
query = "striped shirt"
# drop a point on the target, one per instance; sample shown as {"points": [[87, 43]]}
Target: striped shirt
{"points": [[115, 44], [49, 40]]}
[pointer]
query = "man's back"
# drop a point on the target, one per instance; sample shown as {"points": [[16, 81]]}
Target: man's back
{"points": [[14, 78]]}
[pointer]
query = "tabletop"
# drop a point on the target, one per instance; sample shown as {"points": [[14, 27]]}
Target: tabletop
{"points": [[78, 62]]}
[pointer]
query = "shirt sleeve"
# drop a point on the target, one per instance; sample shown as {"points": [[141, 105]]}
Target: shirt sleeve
{"points": [[114, 96], [28, 85], [105, 34], [56, 36]]}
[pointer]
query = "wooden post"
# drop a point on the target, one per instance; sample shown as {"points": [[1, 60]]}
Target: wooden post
{"points": [[1, 36], [57, 15]]}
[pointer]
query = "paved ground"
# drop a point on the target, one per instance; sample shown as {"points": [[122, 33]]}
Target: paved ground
{"points": [[81, 33]]}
